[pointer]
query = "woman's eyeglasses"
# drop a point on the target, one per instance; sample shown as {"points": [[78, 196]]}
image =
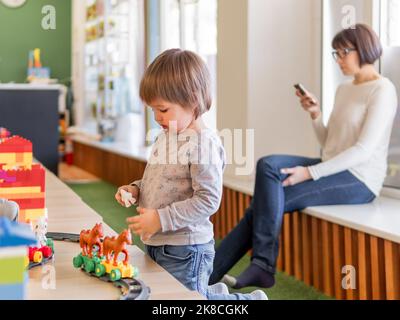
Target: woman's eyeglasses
{"points": [[341, 53]]}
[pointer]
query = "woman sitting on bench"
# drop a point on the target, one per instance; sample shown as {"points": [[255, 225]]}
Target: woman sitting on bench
{"points": [[352, 169]]}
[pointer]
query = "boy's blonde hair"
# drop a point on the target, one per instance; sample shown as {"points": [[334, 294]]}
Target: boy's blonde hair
{"points": [[179, 77]]}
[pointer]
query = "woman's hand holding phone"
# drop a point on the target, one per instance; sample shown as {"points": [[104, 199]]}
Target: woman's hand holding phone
{"points": [[308, 101]]}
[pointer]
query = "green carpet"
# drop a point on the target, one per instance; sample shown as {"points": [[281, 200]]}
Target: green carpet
{"points": [[100, 197]]}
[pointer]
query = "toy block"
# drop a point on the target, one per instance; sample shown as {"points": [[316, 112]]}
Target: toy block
{"points": [[19, 190], [4, 134], [23, 196], [33, 215], [127, 198], [14, 239], [5, 178], [20, 179], [36, 204], [33, 212], [15, 144], [12, 268], [13, 292], [13, 234]]}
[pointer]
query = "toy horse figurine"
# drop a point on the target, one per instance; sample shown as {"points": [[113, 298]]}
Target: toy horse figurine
{"points": [[115, 246], [89, 238]]}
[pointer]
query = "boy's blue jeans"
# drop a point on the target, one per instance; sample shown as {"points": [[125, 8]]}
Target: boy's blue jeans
{"points": [[192, 266], [260, 228]]}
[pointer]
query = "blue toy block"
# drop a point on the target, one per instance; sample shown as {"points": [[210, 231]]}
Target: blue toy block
{"points": [[13, 292], [13, 234]]}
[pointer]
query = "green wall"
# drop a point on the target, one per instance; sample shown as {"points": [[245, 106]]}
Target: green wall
{"points": [[21, 30]]}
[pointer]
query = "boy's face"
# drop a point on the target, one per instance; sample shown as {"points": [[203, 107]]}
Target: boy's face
{"points": [[172, 116]]}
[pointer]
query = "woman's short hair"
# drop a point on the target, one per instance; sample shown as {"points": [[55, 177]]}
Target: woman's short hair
{"points": [[180, 77], [362, 38]]}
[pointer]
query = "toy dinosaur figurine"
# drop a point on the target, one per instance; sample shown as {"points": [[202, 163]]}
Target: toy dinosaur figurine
{"points": [[115, 246], [89, 238]]}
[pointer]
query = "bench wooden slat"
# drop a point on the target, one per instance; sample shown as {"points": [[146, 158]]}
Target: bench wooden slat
{"points": [[337, 240], [242, 208], [362, 267], [287, 244], [306, 244], [389, 274], [279, 263], [315, 254], [376, 286], [327, 265], [297, 254], [348, 257]]}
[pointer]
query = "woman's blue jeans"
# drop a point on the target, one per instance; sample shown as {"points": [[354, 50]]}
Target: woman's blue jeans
{"points": [[260, 228]]}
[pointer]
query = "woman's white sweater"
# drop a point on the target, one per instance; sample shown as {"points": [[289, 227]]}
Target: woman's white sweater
{"points": [[358, 133]]}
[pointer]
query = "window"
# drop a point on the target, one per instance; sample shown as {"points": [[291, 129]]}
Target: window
{"points": [[386, 20], [189, 25], [390, 35], [391, 22]]}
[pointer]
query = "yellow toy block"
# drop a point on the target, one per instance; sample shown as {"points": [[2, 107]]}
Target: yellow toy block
{"points": [[23, 196], [34, 213], [11, 160], [31, 215], [19, 190], [127, 271]]}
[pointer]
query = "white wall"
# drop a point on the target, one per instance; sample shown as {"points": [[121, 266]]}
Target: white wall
{"points": [[264, 47], [232, 67], [78, 67], [284, 49]]}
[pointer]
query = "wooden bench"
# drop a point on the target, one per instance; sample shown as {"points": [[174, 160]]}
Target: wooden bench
{"points": [[315, 244]]}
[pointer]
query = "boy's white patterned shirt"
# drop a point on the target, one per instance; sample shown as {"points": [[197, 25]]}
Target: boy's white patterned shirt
{"points": [[183, 180]]}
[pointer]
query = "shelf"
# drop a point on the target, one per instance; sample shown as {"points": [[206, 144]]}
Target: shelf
{"points": [[94, 40], [96, 21], [113, 32]]}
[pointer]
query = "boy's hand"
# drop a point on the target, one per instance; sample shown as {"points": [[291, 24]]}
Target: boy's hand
{"points": [[146, 224], [133, 190]]}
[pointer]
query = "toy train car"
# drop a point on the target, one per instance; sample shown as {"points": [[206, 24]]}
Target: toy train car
{"points": [[98, 266], [39, 255]]}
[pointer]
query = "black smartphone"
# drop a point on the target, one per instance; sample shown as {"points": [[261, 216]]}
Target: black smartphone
{"points": [[303, 91]]}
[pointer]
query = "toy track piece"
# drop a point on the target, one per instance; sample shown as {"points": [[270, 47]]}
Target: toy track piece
{"points": [[132, 289], [66, 237], [137, 290], [58, 236]]}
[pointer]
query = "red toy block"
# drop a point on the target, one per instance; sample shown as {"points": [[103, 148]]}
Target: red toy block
{"points": [[15, 144]]}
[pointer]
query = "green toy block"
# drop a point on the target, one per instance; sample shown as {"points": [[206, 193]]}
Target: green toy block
{"points": [[12, 270]]}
